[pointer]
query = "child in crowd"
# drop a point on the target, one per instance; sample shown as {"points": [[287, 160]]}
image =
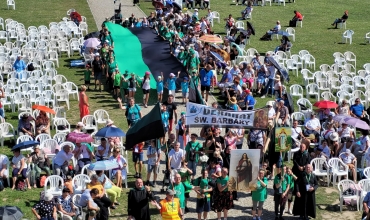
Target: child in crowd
{"points": [[171, 84], [124, 86], [116, 82], [160, 87], [185, 90], [87, 76]]}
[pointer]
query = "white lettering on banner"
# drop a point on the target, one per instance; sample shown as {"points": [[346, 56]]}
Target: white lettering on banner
{"points": [[203, 115]]}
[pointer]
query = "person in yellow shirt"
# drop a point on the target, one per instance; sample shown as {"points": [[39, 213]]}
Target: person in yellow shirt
{"points": [[169, 207], [101, 199]]}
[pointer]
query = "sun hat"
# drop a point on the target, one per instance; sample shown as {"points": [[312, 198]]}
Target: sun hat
{"points": [[334, 136], [80, 124], [182, 48], [48, 197], [348, 151], [172, 75], [270, 103], [311, 137], [233, 100], [109, 122], [196, 9], [147, 73], [159, 77], [170, 192], [37, 147]]}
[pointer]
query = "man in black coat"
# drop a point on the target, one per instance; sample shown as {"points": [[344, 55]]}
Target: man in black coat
{"points": [[300, 160], [138, 201], [305, 202]]}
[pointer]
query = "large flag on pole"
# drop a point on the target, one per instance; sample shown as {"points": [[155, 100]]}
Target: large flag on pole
{"points": [[194, 94], [148, 127]]}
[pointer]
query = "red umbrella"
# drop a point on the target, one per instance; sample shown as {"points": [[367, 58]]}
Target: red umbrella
{"points": [[325, 104], [79, 138], [44, 108]]}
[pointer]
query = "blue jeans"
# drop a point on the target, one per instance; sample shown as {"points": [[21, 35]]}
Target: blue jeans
{"points": [[2, 112], [193, 166], [268, 85]]}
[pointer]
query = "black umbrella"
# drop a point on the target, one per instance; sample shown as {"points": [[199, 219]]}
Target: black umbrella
{"points": [[250, 26], [10, 213], [92, 35], [25, 145], [283, 72]]}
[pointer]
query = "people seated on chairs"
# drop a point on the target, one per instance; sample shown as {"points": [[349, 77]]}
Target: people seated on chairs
{"points": [[45, 208], [327, 132], [226, 80], [25, 126], [101, 200], [272, 31], [322, 151], [229, 22], [66, 206], [19, 166], [283, 113], [345, 132], [278, 88], [247, 12], [232, 102], [4, 172], [119, 173], [112, 190], [357, 110], [333, 143], [42, 123], [323, 114], [361, 149], [343, 108], [256, 63], [261, 77], [39, 162], [87, 203], [297, 17], [340, 20], [79, 128], [312, 126], [248, 76], [348, 145], [330, 120], [296, 133], [104, 150], [349, 159], [83, 154], [113, 141], [61, 160], [285, 45]]}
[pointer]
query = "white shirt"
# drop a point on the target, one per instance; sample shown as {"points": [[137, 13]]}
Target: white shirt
{"points": [[234, 71], [106, 151], [326, 134], [248, 74], [239, 133], [121, 161], [346, 132], [176, 158], [17, 161], [271, 113], [347, 159], [83, 152], [313, 124], [363, 141], [62, 157], [296, 132], [146, 84], [3, 161], [151, 150]]}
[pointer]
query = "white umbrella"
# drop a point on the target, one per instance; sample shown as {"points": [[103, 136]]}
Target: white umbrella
{"points": [[92, 42]]}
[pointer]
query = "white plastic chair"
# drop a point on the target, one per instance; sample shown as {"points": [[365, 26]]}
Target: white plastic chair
{"points": [[300, 22], [313, 90], [62, 96], [88, 122], [101, 116], [309, 60], [328, 96], [365, 188], [7, 131], [60, 137], [299, 116], [56, 185], [291, 33], [11, 3], [347, 35], [343, 95], [79, 183], [72, 89], [320, 168], [62, 122], [343, 185], [304, 102], [296, 90], [76, 199], [338, 168], [125, 180], [367, 37], [42, 137], [239, 24], [291, 65], [307, 76]]}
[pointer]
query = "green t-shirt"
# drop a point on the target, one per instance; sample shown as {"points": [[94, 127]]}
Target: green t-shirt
{"points": [[192, 146], [194, 62], [117, 79], [112, 67], [195, 79], [291, 181], [284, 184], [260, 194], [180, 192], [204, 185], [124, 83], [87, 74], [223, 182]]}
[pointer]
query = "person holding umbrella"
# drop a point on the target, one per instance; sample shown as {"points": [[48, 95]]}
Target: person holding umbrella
{"points": [[19, 166], [42, 123]]}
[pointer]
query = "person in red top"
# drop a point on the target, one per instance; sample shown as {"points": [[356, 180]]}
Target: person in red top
{"points": [[297, 17], [137, 158]]}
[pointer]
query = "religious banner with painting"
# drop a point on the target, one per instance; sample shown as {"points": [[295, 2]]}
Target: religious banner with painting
{"points": [[244, 165], [283, 139]]}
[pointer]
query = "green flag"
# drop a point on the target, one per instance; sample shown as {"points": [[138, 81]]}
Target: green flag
{"points": [[148, 127]]}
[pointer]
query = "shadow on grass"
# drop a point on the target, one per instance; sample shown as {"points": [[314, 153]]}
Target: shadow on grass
{"points": [[29, 202]]}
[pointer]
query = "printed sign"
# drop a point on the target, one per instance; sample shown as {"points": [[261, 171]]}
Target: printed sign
{"points": [[283, 139], [200, 115]]}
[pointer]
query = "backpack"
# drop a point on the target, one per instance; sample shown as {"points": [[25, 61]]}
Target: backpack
{"points": [[30, 67], [21, 185], [42, 181]]}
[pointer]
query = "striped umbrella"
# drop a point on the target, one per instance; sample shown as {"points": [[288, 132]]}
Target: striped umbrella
{"points": [[211, 39]]}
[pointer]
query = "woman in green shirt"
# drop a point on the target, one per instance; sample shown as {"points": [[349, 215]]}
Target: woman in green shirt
{"points": [[259, 196], [222, 199], [112, 66], [185, 174], [282, 186], [203, 204], [116, 82], [292, 178]]}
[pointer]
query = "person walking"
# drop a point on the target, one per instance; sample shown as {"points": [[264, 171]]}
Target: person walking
{"points": [[169, 207], [138, 197], [133, 113], [203, 203], [171, 108], [154, 161], [281, 189], [146, 88], [83, 102], [138, 158], [259, 195], [222, 198], [97, 70], [205, 82]]}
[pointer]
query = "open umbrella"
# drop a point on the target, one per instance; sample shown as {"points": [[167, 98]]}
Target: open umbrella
{"points": [[250, 26], [94, 34], [211, 39], [217, 56], [43, 108], [79, 138], [358, 123], [92, 42], [157, 4], [103, 165], [283, 71], [10, 212], [25, 145], [341, 118], [325, 104], [110, 132], [240, 51]]}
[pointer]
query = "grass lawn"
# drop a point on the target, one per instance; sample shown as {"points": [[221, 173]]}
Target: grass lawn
{"points": [[42, 12]]}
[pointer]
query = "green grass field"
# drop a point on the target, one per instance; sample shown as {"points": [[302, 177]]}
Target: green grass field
{"points": [[316, 36]]}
